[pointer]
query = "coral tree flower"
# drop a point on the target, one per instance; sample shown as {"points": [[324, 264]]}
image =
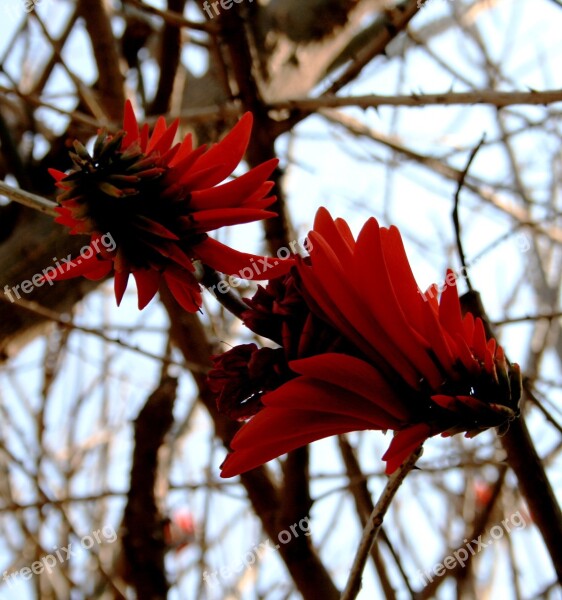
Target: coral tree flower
{"points": [[409, 363], [157, 200]]}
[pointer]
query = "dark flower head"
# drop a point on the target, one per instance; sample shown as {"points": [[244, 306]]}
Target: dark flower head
{"points": [[158, 200], [410, 363], [280, 312], [241, 376]]}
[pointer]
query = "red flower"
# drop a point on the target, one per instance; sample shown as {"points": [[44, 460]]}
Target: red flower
{"points": [[416, 366], [155, 202], [179, 531]]}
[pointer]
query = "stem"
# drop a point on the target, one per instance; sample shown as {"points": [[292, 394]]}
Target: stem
{"points": [[523, 459], [27, 199], [231, 301], [374, 524], [545, 510], [456, 220]]}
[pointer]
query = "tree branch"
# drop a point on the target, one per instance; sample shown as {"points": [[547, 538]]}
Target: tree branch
{"points": [[28, 199], [110, 79], [491, 97], [522, 457], [143, 539], [374, 525]]}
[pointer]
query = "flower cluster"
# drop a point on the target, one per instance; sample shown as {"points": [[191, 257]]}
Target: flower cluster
{"points": [[357, 345], [158, 200], [371, 353]]}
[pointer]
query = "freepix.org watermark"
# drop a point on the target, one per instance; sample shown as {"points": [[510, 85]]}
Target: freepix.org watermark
{"points": [[250, 558], [462, 555], [61, 266], [224, 4], [46, 564], [523, 244], [257, 269]]}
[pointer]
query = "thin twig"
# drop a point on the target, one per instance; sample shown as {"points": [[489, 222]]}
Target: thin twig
{"points": [[479, 187], [28, 199], [491, 97], [522, 319], [456, 220], [63, 321], [172, 17], [392, 21], [231, 301], [374, 524]]}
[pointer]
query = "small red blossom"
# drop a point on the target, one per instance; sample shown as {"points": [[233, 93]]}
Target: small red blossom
{"points": [[156, 201], [242, 375], [413, 365], [179, 530]]}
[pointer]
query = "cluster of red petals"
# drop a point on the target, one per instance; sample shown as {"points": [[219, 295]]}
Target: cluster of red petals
{"points": [[418, 367], [241, 376], [157, 200]]}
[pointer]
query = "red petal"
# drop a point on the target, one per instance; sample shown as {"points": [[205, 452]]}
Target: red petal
{"points": [[274, 432], [384, 303], [208, 220], [104, 268], [184, 288], [489, 362], [164, 143], [442, 344], [171, 251], [446, 402], [185, 149], [354, 375], [178, 256], [198, 179], [227, 153], [120, 284], [246, 266], [403, 444], [308, 394], [148, 281], [450, 308], [130, 125], [325, 226], [350, 304], [466, 356], [77, 267], [181, 169], [157, 132], [431, 295], [144, 132], [468, 328], [66, 219], [56, 174], [402, 278], [479, 340], [234, 192], [345, 233]]}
